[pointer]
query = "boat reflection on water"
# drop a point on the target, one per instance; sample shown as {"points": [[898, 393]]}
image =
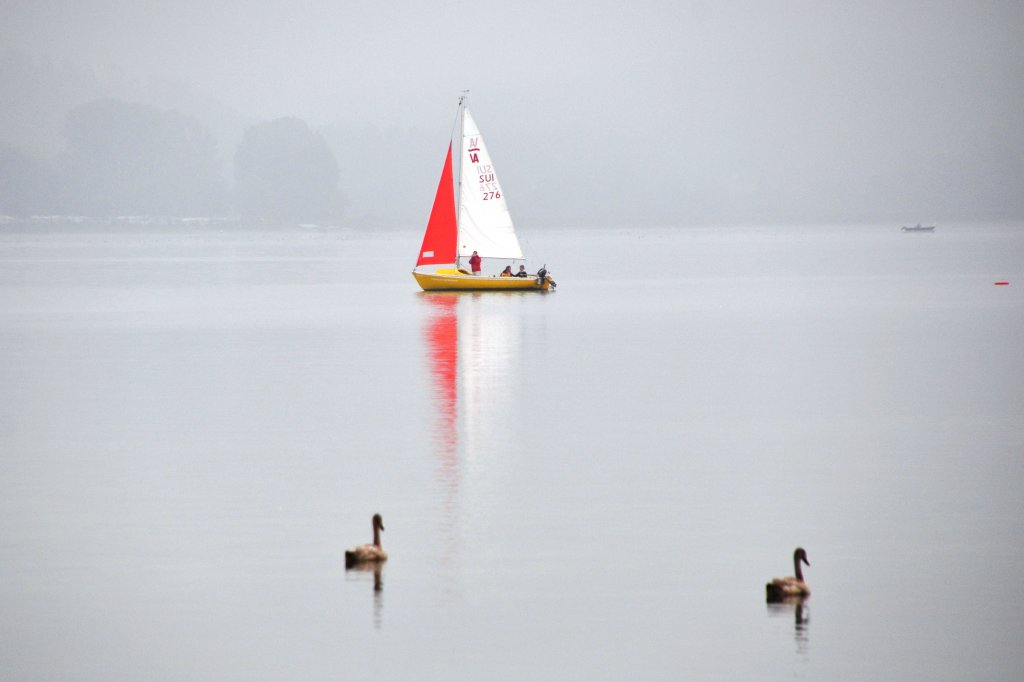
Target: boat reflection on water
{"points": [[441, 336], [795, 607], [472, 343]]}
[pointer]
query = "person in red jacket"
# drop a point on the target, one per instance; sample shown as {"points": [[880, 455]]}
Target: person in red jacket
{"points": [[474, 263]]}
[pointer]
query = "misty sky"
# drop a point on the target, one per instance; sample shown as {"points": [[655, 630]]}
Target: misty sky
{"points": [[831, 106]]}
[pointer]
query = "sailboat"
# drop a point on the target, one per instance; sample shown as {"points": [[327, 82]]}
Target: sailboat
{"points": [[479, 223]]}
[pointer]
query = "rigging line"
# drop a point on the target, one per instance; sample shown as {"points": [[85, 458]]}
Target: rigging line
{"points": [[525, 242], [455, 121], [460, 120]]}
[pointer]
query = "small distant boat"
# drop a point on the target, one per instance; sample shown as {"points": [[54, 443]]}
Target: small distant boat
{"points": [[918, 228], [479, 223]]}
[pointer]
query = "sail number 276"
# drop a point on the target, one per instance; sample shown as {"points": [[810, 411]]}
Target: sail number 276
{"points": [[488, 187]]}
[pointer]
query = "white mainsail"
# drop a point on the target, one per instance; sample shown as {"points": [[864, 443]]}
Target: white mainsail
{"points": [[485, 225]]}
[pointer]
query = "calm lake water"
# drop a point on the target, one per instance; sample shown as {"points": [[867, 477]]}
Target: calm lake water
{"points": [[590, 484]]}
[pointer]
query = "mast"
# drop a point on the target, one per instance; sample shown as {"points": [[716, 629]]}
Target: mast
{"points": [[458, 193]]}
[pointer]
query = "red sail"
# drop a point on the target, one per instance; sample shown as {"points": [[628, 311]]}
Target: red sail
{"points": [[441, 237]]}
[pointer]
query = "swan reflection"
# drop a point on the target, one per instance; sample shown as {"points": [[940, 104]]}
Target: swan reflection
{"points": [[794, 607], [366, 573]]}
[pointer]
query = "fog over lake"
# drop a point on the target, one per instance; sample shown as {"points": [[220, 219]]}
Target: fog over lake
{"points": [[659, 113], [595, 483]]}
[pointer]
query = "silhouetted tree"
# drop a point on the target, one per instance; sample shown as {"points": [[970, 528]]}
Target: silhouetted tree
{"points": [[285, 171], [27, 186], [134, 159]]}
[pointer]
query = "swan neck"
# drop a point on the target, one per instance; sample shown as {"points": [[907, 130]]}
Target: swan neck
{"points": [[376, 536], [796, 568]]}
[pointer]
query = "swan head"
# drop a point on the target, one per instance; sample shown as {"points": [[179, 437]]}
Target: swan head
{"points": [[800, 555], [378, 522]]}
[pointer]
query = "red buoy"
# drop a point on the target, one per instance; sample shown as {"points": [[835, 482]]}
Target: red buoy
{"points": [[1002, 284]]}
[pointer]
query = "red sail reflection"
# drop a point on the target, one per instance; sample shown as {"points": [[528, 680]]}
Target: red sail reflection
{"points": [[442, 338]]}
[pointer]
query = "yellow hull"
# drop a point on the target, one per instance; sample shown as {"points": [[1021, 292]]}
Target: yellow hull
{"points": [[453, 280]]}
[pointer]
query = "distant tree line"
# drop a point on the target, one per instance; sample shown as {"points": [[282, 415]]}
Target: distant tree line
{"points": [[132, 159], [284, 171]]}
